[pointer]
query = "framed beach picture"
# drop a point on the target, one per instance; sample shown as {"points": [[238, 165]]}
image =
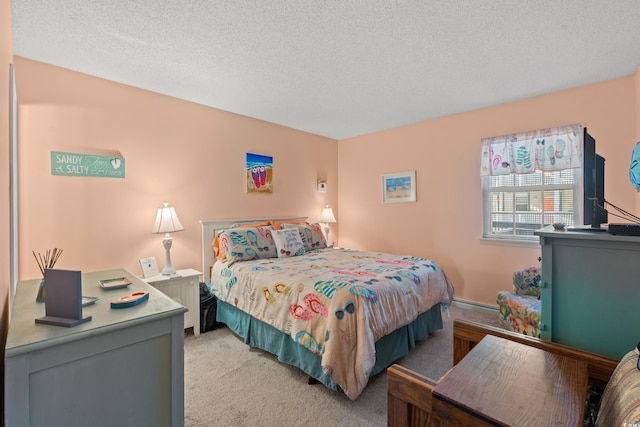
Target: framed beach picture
{"points": [[259, 171], [399, 187]]}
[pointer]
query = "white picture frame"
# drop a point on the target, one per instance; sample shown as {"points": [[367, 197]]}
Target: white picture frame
{"points": [[399, 187], [149, 267]]}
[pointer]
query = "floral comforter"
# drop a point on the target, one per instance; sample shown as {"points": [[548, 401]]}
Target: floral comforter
{"points": [[337, 303]]}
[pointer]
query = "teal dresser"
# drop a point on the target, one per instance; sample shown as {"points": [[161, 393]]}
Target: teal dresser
{"points": [[590, 290], [125, 367]]}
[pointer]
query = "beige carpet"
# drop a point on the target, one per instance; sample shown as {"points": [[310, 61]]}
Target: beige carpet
{"points": [[229, 384]]}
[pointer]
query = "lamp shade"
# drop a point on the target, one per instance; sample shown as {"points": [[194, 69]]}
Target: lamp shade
{"points": [[166, 220], [327, 215]]}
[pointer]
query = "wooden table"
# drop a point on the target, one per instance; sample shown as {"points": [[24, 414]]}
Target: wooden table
{"points": [[504, 383]]}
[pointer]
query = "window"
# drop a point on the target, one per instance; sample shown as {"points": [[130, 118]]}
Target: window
{"points": [[516, 205], [531, 180]]}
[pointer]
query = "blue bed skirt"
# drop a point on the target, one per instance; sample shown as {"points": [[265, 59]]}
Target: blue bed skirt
{"points": [[389, 348]]}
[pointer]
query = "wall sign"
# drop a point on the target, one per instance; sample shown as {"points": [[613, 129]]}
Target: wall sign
{"points": [[74, 164]]}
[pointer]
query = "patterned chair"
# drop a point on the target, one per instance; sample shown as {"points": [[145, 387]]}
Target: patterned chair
{"points": [[520, 308]]}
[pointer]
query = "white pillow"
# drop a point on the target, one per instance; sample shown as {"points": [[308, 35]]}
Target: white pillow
{"points": [[288, 242], [311, 235]]}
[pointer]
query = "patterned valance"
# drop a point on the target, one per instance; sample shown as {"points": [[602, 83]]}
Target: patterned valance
{"points": [[546, 149]]}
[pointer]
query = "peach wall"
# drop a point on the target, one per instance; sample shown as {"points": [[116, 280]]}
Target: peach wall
{"points": [[637, 120], [193, 157], [445, 223], [637, 106], [190, 155]]}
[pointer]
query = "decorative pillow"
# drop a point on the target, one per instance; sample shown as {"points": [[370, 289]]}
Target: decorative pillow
{"points": [[620, 405], [217, 250], [251, 225], [279, 224], [311, 234], [244, 244], [288, 242], [221, 254], [527, 281]]}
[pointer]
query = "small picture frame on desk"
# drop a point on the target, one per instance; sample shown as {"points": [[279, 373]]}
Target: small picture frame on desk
{"points": [[149, 267]]}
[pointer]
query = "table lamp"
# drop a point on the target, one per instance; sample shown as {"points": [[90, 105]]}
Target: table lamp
{"points": [[327, 218], [167, 222]]}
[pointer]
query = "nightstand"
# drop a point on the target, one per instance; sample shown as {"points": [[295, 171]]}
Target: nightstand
{"points": [[184, 287]]}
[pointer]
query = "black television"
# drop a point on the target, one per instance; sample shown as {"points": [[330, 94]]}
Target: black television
{"points": [[594, 211]]}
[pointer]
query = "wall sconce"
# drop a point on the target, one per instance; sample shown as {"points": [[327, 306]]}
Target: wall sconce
{"points": [[167, 222], [322, 186]]}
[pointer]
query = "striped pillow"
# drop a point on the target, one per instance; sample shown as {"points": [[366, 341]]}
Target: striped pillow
{"points": [[620, 403]]}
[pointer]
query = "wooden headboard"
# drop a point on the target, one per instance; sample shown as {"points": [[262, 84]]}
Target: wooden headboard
{"points": [[212, 226]]}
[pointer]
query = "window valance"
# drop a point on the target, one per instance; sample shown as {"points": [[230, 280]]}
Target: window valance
{"points": [[549, 149]]}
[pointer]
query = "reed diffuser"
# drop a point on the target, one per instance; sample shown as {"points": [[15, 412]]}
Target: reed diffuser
{"points": [[46, 261]]}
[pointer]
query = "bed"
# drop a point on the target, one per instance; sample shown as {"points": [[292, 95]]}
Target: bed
{"points": [[339, 315]]}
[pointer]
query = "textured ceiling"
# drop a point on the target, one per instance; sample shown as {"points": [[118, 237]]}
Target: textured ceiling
{"points": [[337, 68]]}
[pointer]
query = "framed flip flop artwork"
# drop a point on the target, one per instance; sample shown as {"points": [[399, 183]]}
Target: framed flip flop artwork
{"points": [[259, 171], [399, 187]]}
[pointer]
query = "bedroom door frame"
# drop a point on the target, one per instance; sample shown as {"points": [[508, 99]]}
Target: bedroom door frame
{"points": [[13, 185]]}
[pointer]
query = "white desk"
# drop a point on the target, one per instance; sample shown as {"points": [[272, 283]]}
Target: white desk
{"points": [[125, 367], [184, 288]]}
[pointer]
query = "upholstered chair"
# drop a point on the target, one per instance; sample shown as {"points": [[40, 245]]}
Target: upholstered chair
{"points": [[520, 307]]}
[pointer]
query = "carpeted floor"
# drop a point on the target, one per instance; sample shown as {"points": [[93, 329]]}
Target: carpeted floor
{"points": [[229, 384]]}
